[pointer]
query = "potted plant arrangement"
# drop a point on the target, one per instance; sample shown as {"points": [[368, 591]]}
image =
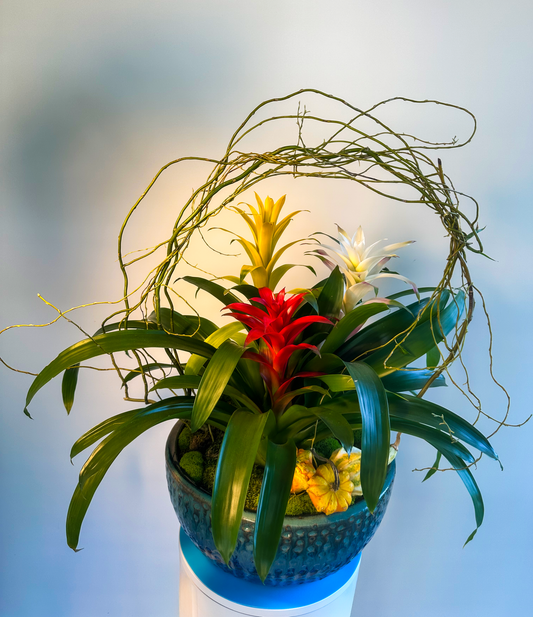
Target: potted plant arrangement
{"points": [[282, 463]]}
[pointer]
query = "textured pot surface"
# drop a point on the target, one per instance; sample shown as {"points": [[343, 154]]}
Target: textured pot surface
{"points": [[311, 547]]}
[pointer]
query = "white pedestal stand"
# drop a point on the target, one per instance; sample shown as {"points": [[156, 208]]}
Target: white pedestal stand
{"points": [[207, 591]]}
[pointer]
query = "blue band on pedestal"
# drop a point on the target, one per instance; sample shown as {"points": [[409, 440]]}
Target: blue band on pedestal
{"points": [[259, 596]]}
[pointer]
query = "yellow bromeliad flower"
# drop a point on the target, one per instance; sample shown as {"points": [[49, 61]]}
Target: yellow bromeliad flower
{"points": [[328, 493], [303, 471], [361, 265], [266, 232]]}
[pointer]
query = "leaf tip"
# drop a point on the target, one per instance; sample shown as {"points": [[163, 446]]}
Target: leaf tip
{"points": [[470, 537], [27, 413]]}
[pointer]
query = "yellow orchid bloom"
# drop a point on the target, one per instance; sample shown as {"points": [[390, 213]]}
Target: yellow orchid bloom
{"points": [[322, 490], [266, 232], [303, 471]]}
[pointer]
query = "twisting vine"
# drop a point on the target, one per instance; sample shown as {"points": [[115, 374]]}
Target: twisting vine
{"points": [[380, 161]]}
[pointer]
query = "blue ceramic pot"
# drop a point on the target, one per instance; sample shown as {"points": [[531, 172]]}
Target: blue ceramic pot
{"points": [[311, 547]]}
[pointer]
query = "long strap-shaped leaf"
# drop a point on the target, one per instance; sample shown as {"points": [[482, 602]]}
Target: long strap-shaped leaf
{"points": [[112, 342], [237, 455], [68, 386], [196, 362], [176, 323], [349, 323], [400, 381], [419, 410], [219, 417], [193, 382], [382, 331], [376, 430], [421, 340], [413, 409], [407, 381], [275, 490], [219, 292], [215, 378], [471, 486], [107, 451], [330, 298], [337, 424]]}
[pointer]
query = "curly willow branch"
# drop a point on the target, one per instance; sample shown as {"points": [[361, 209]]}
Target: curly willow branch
{"points": [[378, 160]]}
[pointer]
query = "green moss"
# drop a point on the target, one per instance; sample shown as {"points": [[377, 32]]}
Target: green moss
{"points": [[213, 450], [254, 488], [300, 505], [326, 447], [184, 440], [201, 440], [208, 477], [192, 464]]}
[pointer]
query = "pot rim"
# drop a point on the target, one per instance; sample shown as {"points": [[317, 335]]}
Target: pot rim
{"points": [[171, 457]]}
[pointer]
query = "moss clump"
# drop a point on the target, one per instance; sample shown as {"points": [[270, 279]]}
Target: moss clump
{"points": [[208, 477], [192, 464], [184, 440], [213, 450], [326, 447], [254, 488], [300, 505], [201, 440]]}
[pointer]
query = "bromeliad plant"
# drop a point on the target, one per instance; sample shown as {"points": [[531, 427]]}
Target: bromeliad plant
{"points": [[291, 369]]}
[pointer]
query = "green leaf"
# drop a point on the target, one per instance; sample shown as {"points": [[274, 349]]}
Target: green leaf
{"points": [[374, 408], [408, 292], [273, 499], [338, 383], [193, 382], [214, 380], [219, 418], [434, 467], [248, 291], [68, 386], [106, 452], [349, 323], [420, 410], [471, 486], [234, 468], [131, 324], [332, 294], [176, 323], [280, 272], [433, 358], [196, 362], [337, 424], [220, 293], [423, 338], [381, 331], [123, 340], [325, 363], [434, 436], [407, 380], [146, 369], [299, 391]]}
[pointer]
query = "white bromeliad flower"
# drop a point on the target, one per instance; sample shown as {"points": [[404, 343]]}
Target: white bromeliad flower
{"points": [[361, 265]]}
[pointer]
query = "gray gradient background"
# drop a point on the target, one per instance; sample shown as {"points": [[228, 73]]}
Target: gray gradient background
{"points": [[96, 96]]}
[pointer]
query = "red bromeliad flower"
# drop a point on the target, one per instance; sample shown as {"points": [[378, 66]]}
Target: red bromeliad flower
{"points": [[276, 329]]}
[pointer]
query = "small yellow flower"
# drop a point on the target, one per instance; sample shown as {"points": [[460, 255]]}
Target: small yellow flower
{"points": [[323, 494], [303, 471]]}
